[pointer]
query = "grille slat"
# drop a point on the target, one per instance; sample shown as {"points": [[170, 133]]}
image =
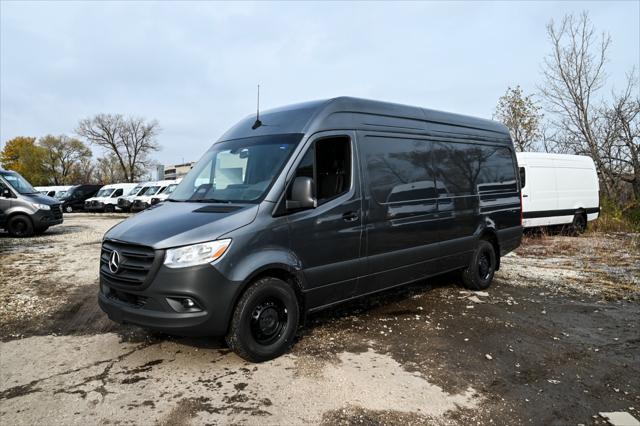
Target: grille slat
{"points": [[137, 265]]}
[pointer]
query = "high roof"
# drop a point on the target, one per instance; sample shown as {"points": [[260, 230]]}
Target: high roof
{"points": [[362, 114]]}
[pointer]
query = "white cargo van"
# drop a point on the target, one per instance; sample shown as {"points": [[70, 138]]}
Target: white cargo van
{"points": [[143, 200], [52, 191], [106, 199], [558, 189]]}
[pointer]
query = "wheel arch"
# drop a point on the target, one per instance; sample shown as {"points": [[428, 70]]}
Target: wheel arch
{"points": [[490, 234]]}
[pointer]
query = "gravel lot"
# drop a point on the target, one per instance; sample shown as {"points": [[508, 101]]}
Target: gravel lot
{"points": [[556, 340]]}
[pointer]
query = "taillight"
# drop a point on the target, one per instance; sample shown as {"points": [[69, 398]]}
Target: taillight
{"points": [[521, 215]]}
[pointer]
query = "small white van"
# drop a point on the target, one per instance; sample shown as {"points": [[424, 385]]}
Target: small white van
{"points": [[143, 201], [558, 189], [106, 199], [52, 191]]}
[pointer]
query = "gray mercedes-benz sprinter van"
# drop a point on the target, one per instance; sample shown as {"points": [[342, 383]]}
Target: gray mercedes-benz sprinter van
{"points": [[309, 206], [23, 210]]}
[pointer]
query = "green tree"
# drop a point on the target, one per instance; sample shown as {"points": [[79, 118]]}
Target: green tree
{"points": [[63, 157], [22, 155], [522, 116]]}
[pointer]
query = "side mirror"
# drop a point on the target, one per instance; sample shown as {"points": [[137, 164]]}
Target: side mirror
{"points": [[6, 193], [301, 194]]}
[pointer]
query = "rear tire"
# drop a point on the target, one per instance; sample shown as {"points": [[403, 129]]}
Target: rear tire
{"points": [[479, 274], [264, 321], [579, 224], [20, 226]]}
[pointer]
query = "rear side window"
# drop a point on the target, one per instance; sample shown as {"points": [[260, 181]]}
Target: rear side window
{"points": [[497, 171], [523, 177], [399, 170]]}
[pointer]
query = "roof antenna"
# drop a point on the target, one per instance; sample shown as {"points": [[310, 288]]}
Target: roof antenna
{"points": [[258, 123]]}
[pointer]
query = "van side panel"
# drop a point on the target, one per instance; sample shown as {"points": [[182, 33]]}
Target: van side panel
{"points": [[401, 210]]}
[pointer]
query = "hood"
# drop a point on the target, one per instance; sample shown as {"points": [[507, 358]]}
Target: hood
{"points": [[41, 199], [177, 224], [101, 199]]}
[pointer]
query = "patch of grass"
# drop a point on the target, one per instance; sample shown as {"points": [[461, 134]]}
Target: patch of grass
{"points": [[617, 218]]}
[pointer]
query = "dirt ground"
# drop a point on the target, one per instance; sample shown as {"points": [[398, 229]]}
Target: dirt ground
{"points": [[555, 340]]}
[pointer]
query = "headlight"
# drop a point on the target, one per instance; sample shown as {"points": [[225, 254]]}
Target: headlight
{"points": [[196, 254], [40, 206]]}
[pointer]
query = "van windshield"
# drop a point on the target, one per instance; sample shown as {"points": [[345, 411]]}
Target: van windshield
{"points": [[152, 190], [240, 170], [135, 190], [19, 183], [105, 192]]}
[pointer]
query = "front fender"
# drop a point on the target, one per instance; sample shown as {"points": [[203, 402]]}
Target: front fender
{"points": [[278, 258]]}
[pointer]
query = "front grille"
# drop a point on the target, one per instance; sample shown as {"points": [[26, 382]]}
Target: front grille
{"points": [[138, 264], [56, 210]]}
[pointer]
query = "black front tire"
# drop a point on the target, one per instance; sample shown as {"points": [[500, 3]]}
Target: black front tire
{"points": [[68, 209], [479, 274], [20, 226], [265, 320], [109, 208]]}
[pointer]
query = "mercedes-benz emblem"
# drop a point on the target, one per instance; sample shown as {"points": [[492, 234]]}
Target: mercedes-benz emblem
{"points": [[114, 262]]}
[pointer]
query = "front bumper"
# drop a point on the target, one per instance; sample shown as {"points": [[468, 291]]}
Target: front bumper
{"points": [[155, 306], [94, 207], [46, 218]]}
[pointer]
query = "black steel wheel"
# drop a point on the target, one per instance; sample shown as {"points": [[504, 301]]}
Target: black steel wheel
{"points": [[264, 321], [109, 208], [479, 274], [20, 226], [579, 224]]}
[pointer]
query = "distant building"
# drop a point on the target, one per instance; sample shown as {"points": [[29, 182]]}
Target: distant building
{"points": [[176, 171]]}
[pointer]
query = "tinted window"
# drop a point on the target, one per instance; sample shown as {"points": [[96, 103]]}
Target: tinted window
{"points": [[399, 169], [523, 177], [458, 166], [117, 193], [497, 173]]}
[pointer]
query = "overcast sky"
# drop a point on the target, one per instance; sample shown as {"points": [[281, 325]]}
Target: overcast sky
{"points": [[194, 66]]}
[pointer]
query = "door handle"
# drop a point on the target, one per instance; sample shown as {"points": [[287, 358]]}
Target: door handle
{"points": [[524, 195], [350, 216]]}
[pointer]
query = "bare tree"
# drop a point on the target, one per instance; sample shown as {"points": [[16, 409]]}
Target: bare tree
{"points": [[521, 114], [62, 155], [574, 72], [107, 170], [131, 140], [623, 149]]}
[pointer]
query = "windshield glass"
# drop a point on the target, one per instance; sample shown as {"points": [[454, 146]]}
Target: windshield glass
{"points": [[170, 189], [61, 194], [135, 190], [152, 190], [144, 190], [19, 183], [240, 170], [105, 192]]}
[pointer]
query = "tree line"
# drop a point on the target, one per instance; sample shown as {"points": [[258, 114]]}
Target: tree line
{"points": [[571, 114], [126, 144]]}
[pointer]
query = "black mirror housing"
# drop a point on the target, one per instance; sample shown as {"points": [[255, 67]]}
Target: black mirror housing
{"points": [[302, 194]]}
